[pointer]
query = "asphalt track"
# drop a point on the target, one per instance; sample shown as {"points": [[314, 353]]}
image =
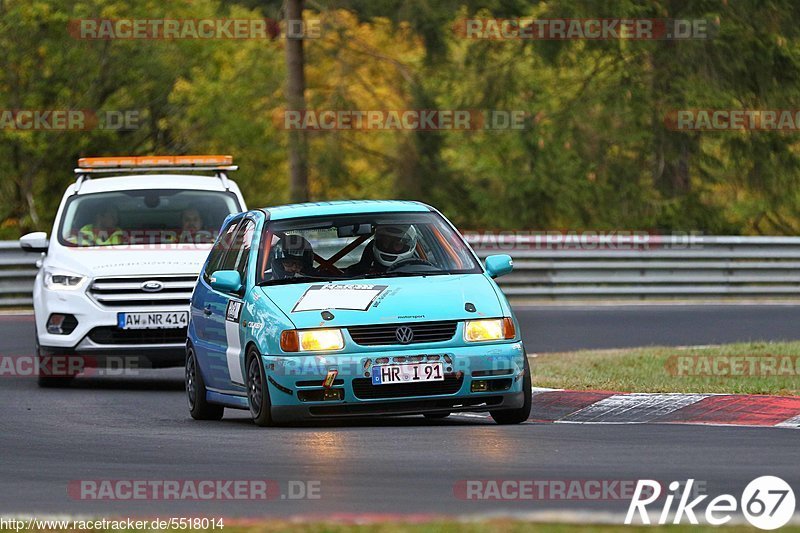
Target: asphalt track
{"points": [[138, 428]]}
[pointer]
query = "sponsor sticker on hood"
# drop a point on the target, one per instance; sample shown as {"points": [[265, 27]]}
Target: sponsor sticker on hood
{"points": [[356, 297]]}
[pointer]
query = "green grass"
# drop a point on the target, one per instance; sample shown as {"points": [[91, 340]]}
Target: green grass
{"points": [[654, 370]]}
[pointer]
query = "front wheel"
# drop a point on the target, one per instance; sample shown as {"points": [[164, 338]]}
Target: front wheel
{"points": [[199, 407], [45, 368], [257, 391], [521, 414]]}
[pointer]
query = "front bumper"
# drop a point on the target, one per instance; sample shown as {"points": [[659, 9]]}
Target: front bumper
{"points": [[96, 333], [296, 383]]}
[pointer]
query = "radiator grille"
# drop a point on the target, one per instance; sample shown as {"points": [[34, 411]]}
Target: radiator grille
{"points": [[383, 334], [114, 335], [365, 390], [129, 291]]}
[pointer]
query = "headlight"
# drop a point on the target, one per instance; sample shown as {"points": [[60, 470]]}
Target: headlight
{"points": [[489, 330], [63, 280], [311, 340]]}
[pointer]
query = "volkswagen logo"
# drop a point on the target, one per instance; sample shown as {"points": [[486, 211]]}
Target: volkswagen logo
{"points": [[404, 334], [152, 286]]}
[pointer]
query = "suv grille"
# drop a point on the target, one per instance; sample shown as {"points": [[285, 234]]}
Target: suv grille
{"points": [[377, 335], [112, 335], [365, 390], [128, 291]]}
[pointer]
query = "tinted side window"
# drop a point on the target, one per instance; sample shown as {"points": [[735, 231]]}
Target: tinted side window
{"points": [[248, 230], [236, 258], [218, 250]]}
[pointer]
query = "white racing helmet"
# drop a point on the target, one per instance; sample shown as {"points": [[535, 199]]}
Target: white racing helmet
{"points": [[394, 243]]}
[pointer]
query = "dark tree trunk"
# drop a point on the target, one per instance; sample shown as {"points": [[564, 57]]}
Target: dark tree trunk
{"points": [[295, 99]]}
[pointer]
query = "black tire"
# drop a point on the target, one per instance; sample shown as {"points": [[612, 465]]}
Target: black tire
{"points": [[258, 391], [199, 407], [435, 416], [521, 414], [44, 381], [50, 382]]}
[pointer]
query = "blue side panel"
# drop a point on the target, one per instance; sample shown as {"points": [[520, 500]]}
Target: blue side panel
{"points": [[228, 400]]}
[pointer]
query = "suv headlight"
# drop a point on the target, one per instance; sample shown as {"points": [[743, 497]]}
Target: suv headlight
{"points": [[63, 280], [494, 329], [312, 340]]}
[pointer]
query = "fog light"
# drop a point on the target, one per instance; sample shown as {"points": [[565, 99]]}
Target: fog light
{"points": [[332, 394], [480, 386], [61, 324], [54, 324]]}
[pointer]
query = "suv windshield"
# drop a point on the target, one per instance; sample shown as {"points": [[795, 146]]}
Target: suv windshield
{"points": [[160, 216], [362, 246]]}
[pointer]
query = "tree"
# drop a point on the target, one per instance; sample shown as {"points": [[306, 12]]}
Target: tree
{"points": [[296, 100]]}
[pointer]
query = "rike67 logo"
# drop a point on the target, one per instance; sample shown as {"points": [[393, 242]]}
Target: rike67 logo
{"points": [[767, 502]]}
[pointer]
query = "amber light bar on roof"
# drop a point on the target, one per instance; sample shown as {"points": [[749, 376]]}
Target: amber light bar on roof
{"points": [[156, 161]]}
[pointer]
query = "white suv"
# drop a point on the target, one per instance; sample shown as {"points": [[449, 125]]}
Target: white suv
{"points": [[118, 272]]}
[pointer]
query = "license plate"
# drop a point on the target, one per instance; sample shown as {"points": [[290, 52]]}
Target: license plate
{"points": [[153, 320], [411, 373]]}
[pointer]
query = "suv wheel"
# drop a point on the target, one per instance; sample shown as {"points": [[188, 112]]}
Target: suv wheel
{"points": [[45, 381]]}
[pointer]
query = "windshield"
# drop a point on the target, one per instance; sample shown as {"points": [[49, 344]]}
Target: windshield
{"points": [[161, 216], [362, 246]]}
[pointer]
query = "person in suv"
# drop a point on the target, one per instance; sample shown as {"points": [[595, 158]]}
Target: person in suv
{"points": [[118, 270]]}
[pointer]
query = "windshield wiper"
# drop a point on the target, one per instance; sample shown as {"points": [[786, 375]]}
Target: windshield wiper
{"points": [[401, 274]]}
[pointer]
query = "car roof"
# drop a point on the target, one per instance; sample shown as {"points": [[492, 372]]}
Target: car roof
{"points": [[344, 207], [152, 181]]}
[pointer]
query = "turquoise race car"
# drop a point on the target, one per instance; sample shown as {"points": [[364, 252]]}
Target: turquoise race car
{"points": [[346, 309]]}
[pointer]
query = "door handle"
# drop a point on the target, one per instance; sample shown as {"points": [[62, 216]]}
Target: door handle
{"points": [[207, 311]]}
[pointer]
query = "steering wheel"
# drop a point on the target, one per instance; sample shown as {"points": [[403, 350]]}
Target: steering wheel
{"points": [[410, 262]]}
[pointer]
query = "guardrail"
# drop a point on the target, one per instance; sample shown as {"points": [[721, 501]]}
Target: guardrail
{"points": [[17, 270], [641, 266], [560, 266]]}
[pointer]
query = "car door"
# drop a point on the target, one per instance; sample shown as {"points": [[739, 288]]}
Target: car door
{"points": [[208, 305], [225, 345]]}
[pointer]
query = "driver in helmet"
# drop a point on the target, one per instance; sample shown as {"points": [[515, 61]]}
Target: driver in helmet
{"points": [[294, 258], [391, 245]]}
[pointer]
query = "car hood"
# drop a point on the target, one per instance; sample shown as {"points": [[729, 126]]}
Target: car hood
{"points": [[131, 260], [386, 300]]}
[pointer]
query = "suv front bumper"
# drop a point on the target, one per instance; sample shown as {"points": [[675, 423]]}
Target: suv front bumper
{"points": [[97, 334]]}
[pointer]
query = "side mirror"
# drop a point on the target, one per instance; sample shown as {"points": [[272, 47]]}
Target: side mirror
{"points": [[34, 242], [499, 265], [226, 281]]}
